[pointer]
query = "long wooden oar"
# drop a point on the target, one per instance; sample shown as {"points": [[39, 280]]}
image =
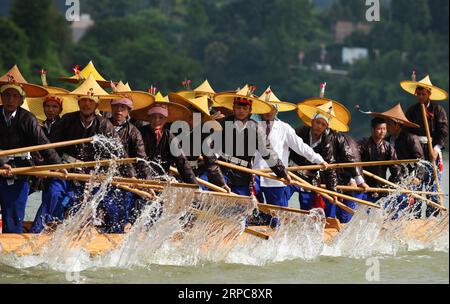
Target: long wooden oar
{"points": [[266, 208], [153, 182], [305, 186], [46, 146], [386, 182], [349, 165], [384, 190], [430, 150], [202, 182], [143, 194], [72, 165], [328, 197]]}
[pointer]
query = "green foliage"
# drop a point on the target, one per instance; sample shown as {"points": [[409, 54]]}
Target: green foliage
{"points": [[14, 45]]}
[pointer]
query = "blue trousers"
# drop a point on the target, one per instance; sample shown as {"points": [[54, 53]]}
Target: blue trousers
{"points": [[13, 201], [306, 200], [50, 210], [116, 206], [278, 196], [343, 216]]}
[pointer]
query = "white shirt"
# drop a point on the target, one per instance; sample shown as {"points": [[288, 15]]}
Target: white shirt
{"points": [[9, 119], [282, 137]]}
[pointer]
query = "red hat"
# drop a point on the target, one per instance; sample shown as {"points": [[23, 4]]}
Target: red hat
{"points": [[243, 100], [54, 98]]}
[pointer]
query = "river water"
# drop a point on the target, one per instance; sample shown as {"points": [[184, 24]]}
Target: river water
{"points": [[273, 261]]}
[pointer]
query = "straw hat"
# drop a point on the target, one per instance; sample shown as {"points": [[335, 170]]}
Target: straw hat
{"points": [[272, 99], [325, 110], [177, 112], [396, 114], [227, 100], [14, 79], [200, 104], [80, 76], [339, 109], [139, 99], [36, 105], [92, 90], [202, 90], [410, 86]]}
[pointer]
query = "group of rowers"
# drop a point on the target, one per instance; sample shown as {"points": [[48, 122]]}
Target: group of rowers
{"points": [[142, 122]]}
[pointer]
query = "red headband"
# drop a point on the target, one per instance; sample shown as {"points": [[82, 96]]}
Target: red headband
{"points": [[243, 100], [54, 98]]}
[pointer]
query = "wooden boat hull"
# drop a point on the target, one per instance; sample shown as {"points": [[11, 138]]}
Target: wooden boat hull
{"points": [[32, 244]]}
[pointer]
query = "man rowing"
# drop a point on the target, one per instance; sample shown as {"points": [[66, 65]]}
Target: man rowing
{"points": [[283, 139], [321, 119], [18, 128], [242, 137], [345, 150], [194, 139], [161, 147], [54, 190], [84, 124], [376, 148]]}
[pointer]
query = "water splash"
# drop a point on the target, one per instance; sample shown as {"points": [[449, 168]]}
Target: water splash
{"points": [[182, 227]]}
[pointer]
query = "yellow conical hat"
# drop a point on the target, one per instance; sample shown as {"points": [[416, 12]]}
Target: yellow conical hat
{"points": [[140, 99], [82, 75], [436, 93], [199, 103], [36, 105], [270, 97], [90, 88], [227, 99], [205, 88], [14, 78], [177, 112], [121, 87], [326, 110], [160, 98], [339, 109]]}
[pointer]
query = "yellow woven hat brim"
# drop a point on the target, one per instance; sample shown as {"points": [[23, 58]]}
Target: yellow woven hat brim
{"points": [[334, 123], [340, 110], [437, 94], [31, 90], [36, 105], [282, 106], [140, 100], [187, 102], [176, 113], [226, 100]]}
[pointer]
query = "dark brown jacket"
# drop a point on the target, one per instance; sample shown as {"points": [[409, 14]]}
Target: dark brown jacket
{"points": [[437, 121], [346, 150], [248, 149], [193, 151], [71, 128], [370, 151], [133, 145], [407, 146], [325, 149], [23, 132], [161, 154]]}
